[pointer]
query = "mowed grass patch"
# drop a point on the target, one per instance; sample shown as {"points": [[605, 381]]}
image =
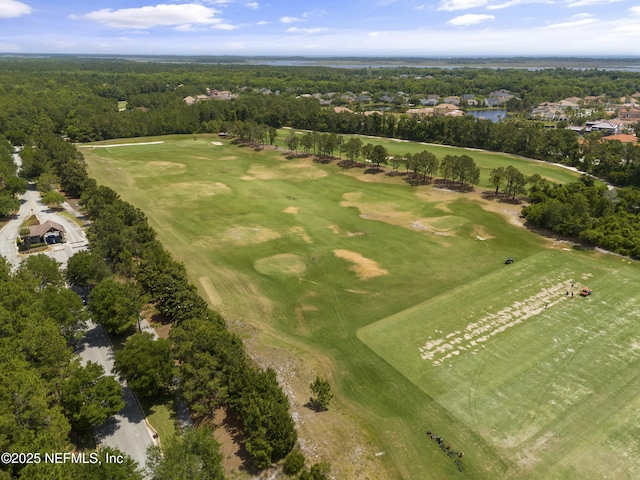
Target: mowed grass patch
{"points": [[244, 248], [548, 379]]}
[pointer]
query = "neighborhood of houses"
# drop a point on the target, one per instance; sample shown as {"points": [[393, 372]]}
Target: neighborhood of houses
{"points": [[615, 119]]}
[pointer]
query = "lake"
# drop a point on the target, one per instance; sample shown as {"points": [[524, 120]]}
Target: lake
{"points": [[493, 115]]}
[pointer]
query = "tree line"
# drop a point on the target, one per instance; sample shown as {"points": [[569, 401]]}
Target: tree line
{"points": [[78, 98], [589, 212]]}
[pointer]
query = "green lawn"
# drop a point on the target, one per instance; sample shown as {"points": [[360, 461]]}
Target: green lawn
{"points": [[161, 414], [355, 272]]}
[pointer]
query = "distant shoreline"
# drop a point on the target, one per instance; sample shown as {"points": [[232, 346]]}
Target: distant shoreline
{"points": [[525, 62]]}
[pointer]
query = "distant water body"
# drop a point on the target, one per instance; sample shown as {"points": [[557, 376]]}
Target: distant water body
{"points": [[493, 115], [321, 63]]}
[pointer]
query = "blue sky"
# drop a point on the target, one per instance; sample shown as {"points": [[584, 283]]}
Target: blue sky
{"points": [[322, 28]]}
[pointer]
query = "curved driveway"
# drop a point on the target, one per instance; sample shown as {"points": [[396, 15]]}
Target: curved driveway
{"points": [[30, 204]]}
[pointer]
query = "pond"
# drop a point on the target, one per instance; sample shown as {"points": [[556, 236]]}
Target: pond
{"points": [[493, 115]]}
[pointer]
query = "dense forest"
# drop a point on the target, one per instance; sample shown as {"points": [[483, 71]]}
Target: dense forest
{"points": [[48, 399]]}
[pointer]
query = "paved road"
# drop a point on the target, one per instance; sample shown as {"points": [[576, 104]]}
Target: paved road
{"points": [[127, 430]]}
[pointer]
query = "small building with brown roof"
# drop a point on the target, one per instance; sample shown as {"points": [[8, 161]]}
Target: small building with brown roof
{"points": [[47, 232]]}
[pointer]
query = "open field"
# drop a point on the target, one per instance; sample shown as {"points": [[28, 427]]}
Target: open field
{"points": [[375, 284]]}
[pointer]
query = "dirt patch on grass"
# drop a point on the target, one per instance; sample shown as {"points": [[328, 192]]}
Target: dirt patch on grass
{"points": [[210, 292], [302, 233], [510, 211], [292, 210], [447, 225], [163, 167], [300, 311], [480, 233], [295, 171], [228, 433], [227, 158], [334, 436], [363, 267], [338, 231], [284, 264], [250, 235], [471, 338], [334, 228], [201, 189]]}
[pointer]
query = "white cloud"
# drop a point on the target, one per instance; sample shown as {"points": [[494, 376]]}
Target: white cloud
{"points": [[263, 22], [12, 8], [224, 26], [500, 6], [585, 3], [306, 30], [314, 13], [572, 24], [155, 16], [469, 19], [290, 20], [253, 5], [635, 10], [453, 5]]}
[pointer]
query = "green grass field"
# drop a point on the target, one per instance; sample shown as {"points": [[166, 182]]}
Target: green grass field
{"points": [[375, 284]]}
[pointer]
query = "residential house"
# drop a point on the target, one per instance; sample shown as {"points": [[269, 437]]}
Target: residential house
{"points": [[607, 128], [420, 111], [502, 95], [452, 100]]}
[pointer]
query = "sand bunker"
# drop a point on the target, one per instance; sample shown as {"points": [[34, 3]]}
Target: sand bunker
{"points": [[292, 210], [476, 333], [284, 264], [216, 143], [250, 235], [363, 267]]}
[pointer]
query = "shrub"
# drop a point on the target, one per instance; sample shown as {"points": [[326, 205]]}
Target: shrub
{"points": [[294, 462]]}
